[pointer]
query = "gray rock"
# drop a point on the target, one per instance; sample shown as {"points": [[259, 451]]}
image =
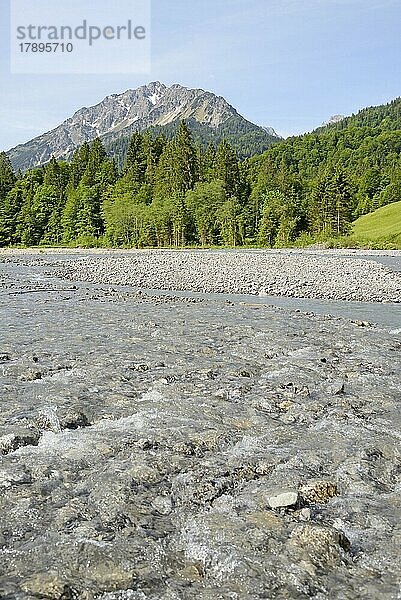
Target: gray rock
{"points": [[12, 441], [324, 545], [283, 500], [18, 476], [73, 420], [319, 491]]}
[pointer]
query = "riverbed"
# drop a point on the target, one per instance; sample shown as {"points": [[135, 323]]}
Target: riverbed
{"points": [[172, 443]]}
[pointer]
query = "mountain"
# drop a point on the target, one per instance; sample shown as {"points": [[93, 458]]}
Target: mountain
{"points": [[270, 130], [154, 105], [334, 119]]}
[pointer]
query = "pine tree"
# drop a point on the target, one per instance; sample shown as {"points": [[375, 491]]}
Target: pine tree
{"points": [[321, 204], [207, 161], [331, 203], [69, 217], [25, 222], [54, 232], [96, 157], [179, 220], [281, 219], [136, 160], [186, 165], [7, 181], [344, 199], [165, 184], [7, 175], [177, 170], [82, 214], [229, 219], [46, 205], [227, 169], [152, 148], [203, 204], [17, 212], [78, 164]]}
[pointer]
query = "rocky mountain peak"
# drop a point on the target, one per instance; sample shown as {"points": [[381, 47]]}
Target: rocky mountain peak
{"points": [[118, 115]]}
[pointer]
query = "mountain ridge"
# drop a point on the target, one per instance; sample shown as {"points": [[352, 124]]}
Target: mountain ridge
{"points": [[119, 115]]}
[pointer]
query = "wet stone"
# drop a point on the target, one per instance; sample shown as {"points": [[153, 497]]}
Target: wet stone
{"points": [[323, 545], [140, 367], [74, 420], [320, 492], [283, 500], [20, 475], [305, 514], [31, 375], [12, 441], [162, 505]]}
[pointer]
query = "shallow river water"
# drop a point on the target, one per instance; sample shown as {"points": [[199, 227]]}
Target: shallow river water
{"points": [[165, 446]]}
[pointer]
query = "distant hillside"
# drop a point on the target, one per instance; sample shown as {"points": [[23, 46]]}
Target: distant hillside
{"points": [[383, 224], [366, 146], [385, 116]]}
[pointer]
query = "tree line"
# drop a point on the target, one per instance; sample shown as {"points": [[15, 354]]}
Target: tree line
{"points": [[176, 192]]}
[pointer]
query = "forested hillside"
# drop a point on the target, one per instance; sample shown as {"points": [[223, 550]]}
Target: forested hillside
{"points": [[169, 193], [177, 192], [385, 117], [364, 148], [245, 138]]}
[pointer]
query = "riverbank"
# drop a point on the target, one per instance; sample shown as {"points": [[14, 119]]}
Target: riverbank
{"points": [[157, 447]]}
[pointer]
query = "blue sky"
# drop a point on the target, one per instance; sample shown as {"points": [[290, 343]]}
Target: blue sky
{"points": [[289, 64]]}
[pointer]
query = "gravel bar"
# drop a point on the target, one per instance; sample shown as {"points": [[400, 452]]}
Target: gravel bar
{"points": [[330, 276]]}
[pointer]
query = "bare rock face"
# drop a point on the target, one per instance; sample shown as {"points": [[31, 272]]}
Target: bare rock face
{"points": [[119, 115], [333, 120]]}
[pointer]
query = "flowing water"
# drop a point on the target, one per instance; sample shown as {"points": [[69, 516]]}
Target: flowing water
{"points": [[147, 439]]}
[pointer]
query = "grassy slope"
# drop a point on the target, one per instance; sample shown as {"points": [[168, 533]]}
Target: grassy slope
{"points": [[383, 224]]}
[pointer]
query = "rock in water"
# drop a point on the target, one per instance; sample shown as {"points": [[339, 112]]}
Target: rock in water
{"points": [[283, 500], [318, 492], [324, 546]]}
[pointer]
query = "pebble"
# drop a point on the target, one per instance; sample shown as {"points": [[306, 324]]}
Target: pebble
{"points": [[283, 500]]}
